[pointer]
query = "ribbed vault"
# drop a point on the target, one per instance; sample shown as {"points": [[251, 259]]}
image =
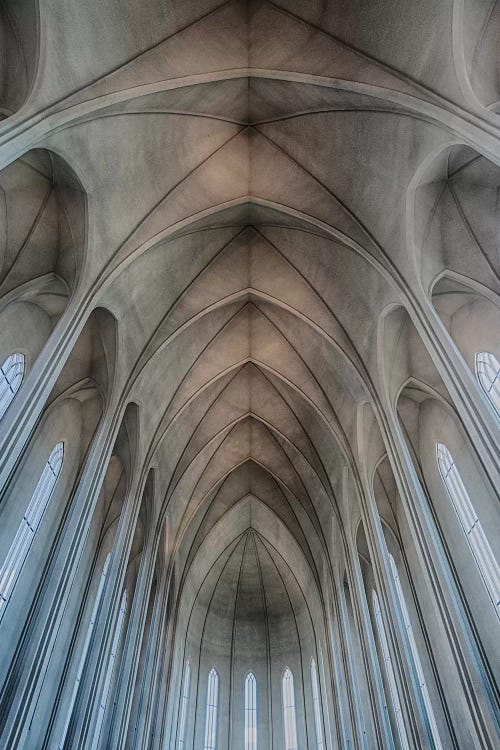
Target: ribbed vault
{"points": [[246, 210]]}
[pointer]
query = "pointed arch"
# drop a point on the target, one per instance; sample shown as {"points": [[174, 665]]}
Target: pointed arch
{"points": [[289, 712], [250, 737], [212, 710]]}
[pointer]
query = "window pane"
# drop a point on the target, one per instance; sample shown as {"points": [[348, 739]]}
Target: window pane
{"points": [[488, 374], [250, 712], [471, 525], [289, 717], [317, 705], [20, 547], [11, 377], [184, 705], [211, 718]]}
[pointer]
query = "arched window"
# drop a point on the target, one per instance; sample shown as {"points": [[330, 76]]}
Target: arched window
{"points": [[211, 717], [488, 374], [84, 652], [20, 547], [111, 664], [184, 705], [250, 712], [11, 377], [289, 718], [317, 705], [414, 652], [478, 543], [389, 671]]}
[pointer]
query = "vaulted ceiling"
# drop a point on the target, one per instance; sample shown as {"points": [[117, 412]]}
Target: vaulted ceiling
{"points": [[260, 179]]}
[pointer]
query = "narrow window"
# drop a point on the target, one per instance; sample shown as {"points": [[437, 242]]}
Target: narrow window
{"points": [[289, 718], [414, 652], [11, 377], [471, 524], [317, 705], [488, 374], [111, 665], [211, 718], [85, 649], [20, 547], [250, 712], [389, 671], [184, 705]]}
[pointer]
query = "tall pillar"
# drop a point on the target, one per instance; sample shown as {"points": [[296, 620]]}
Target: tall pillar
{"points": [[38, 641], [477, 708]]}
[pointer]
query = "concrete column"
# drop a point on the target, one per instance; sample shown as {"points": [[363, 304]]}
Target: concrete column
{"points": [[132, 649], [408, 690], [379, 709], [37, 643], [99, 656], [361, 739], [476, 705]]}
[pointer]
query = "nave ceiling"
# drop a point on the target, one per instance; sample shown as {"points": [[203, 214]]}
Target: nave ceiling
{"points": [[258, 199]]}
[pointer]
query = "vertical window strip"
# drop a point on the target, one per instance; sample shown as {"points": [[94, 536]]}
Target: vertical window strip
{"points": [[211, 716], [317, 705], [471, 525], [416, 659], [389, 671], [488, 374], [111, 665], [250, 712], [11, 377], [18, 552], [84, 652], [184, 705], [289, 718]]}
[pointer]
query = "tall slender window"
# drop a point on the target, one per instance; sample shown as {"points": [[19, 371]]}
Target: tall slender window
{"points": [[11, 377], [250, 712], [478, 543], [317, 705], [488, 374], [20, 547], [85, 649], [289, 718], [184, 705], [414, 652], [211, 717], [111, 665], [389, 671]]}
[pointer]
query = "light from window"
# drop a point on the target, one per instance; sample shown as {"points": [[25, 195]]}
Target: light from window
{"points": [[317, 705], [211, 717], [414, 652], [250, 712], [85, 649], [11, 377], [478, 543], [488, 374], [389, 671], [20, 547], [289, 718], [111, 665], [184, 705]]}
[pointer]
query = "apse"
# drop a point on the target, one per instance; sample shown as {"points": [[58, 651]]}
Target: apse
{"points": [[249, 375]]}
